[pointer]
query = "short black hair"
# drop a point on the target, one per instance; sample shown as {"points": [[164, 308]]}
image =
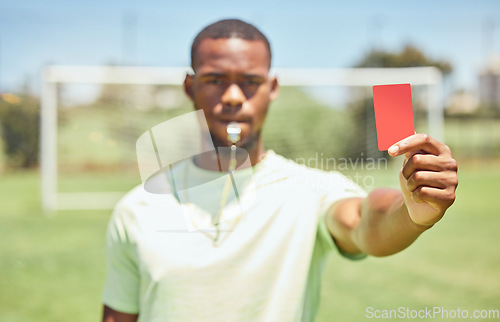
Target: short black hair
{"points": [[229, 28]]}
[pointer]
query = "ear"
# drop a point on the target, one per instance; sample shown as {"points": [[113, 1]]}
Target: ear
{"points": [[188, 86], [275, 88]]}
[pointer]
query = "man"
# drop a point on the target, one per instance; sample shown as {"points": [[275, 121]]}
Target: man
{"points": [[267, 262]]}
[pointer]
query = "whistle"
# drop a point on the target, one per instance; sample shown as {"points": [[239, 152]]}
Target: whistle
{"points": [[233, 132]]}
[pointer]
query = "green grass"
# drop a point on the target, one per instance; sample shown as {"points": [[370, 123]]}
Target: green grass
{"points": [[474, 138], [52, 269]]}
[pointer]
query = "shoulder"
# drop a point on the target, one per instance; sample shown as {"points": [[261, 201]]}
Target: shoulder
{"points": [[124, 211], [133, 198], [139, 205]]}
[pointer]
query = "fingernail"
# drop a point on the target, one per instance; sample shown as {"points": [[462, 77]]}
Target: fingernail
{"points": [[393, 149]]}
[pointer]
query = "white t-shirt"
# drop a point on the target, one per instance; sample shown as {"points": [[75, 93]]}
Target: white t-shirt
{"points": [[266, 264]]}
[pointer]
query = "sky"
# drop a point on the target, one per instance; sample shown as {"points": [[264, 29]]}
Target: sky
{"points": [[34, 34]]}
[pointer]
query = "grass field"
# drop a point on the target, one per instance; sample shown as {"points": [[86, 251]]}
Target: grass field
{"points": [[52, 269]]}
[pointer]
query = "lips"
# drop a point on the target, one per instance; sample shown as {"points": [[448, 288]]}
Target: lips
{"points": [[229, 120]]}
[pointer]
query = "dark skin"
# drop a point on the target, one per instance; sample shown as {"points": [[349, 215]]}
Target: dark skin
{"points": [[231, 83], [110, 315]]}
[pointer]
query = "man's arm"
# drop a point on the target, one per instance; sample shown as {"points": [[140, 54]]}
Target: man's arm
{"points": [[110, 315], [388, 220]]}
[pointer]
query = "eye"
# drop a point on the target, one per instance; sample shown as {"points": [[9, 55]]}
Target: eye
{"points": [[214, 81], [252, 82]]}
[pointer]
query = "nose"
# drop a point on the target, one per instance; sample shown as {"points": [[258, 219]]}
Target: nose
{"points": [[233, 96]]}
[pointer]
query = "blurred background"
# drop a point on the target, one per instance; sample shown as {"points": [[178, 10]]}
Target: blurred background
{"points": [[52, 261]]}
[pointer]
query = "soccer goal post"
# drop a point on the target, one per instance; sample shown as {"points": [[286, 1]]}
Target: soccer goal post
{"points": [[56, 76]]}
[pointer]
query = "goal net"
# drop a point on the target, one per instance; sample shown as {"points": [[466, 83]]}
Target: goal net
{"points": [[88, 156]]}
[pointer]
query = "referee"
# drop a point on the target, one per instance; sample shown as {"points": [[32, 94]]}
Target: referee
{"points": [[272, 222]]}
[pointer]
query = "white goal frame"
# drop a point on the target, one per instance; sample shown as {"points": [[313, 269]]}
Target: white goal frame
{"points": [[53, 75]]}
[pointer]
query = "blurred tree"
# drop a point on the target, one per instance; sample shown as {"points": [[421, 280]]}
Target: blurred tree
{"points": [[409, 56], [20, 125], [361, 106], [301, 128]]}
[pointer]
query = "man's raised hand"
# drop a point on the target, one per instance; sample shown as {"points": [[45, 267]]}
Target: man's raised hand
{"points": [[428, 177]]}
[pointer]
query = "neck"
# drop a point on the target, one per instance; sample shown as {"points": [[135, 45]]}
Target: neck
{"points": [[218, 160]]}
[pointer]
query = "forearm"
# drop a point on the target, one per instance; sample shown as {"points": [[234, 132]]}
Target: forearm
{"points": [[385, 226]]}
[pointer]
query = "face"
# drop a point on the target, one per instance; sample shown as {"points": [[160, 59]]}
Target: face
{"points": [[231, 84]]}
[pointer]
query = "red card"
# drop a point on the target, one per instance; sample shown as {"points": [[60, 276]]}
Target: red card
{"points": [[393, 113]]}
